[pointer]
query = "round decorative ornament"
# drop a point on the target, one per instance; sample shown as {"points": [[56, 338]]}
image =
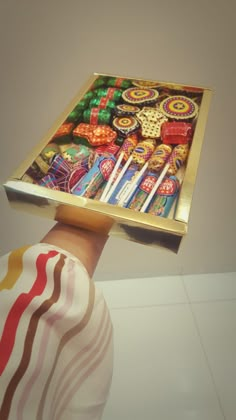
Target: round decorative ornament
{"points": [[140, 96], [125, 125], [179, 107], [126, 109]]}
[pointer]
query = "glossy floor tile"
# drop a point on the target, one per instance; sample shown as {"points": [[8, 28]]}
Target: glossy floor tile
{"points": [[160, 367], [144, 292], [208, 287], [216, 322]]}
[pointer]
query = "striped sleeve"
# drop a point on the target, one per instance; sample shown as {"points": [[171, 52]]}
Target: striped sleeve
{"points": [[56, 347]]}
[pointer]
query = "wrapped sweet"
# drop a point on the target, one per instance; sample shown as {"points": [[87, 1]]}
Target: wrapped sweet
{"points": [[159, 157], [64, 133], [97, 135], [99, 173], [111, 93], [102, 103], [179, 107], [123, 110], [97, 116], [125, 125], [151, 120], [177, 158], [165, 197], [176, 132], [143, 151], [119, 82], [140, 96]]}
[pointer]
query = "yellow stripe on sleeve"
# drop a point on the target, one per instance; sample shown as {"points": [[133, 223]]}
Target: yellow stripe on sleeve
{"points": [[15, 267]]}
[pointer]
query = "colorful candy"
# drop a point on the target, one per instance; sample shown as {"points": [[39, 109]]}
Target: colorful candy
{"points": [[124, 184], [95, 134], [49, 152], [74, 153], [140, 96], [143, 151], [165, 197], [119, 82], [177, 158], [151, 120], [179, 107], [159, 157], [128, 119], [111, 93], [97, 116], [49, 181], [123, 110], [176, 132], [125, 125], [128, 146], [64, 132], [99, 173], [102, 103]]}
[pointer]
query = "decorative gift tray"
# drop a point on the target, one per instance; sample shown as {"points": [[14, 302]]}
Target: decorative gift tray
{"points": [[121, 159]]}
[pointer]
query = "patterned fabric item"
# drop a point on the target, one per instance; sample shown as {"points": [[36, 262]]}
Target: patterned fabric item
{"points": [[56, 348]]}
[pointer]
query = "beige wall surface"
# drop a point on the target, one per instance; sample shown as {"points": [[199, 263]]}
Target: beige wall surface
{"points": [[49, 48]]}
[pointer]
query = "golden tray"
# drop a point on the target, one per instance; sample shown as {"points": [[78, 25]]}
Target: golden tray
{"points": [[107, 218]]}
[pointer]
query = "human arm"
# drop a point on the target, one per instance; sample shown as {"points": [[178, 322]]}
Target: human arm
{"points": [[85, 245]]}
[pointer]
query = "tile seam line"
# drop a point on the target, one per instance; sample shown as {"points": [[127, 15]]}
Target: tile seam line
{"points": [[147, 306], [204, 350], [152, 305]]}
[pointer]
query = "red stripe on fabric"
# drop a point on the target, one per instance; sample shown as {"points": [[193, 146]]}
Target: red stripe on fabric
{"points": [[19, 307]]}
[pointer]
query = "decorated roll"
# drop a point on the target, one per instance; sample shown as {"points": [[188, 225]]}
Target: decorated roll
{"points": [[99, 173], [143, 151], [159, 157], [100, 81], [76, 153], [42, 164], [60, 168], [75, 116], [82, 104], [102, 103], [124, 184], [118, 82], [77, 173], [111, 93], [177, 158], [49, 152], [128, 146], [49, 181], [88, 95], [96, 116], [145, 187], [165, 197]]}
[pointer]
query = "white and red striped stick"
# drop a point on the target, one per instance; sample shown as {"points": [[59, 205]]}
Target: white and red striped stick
{"points": [[111, 178], [157, 184]]}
